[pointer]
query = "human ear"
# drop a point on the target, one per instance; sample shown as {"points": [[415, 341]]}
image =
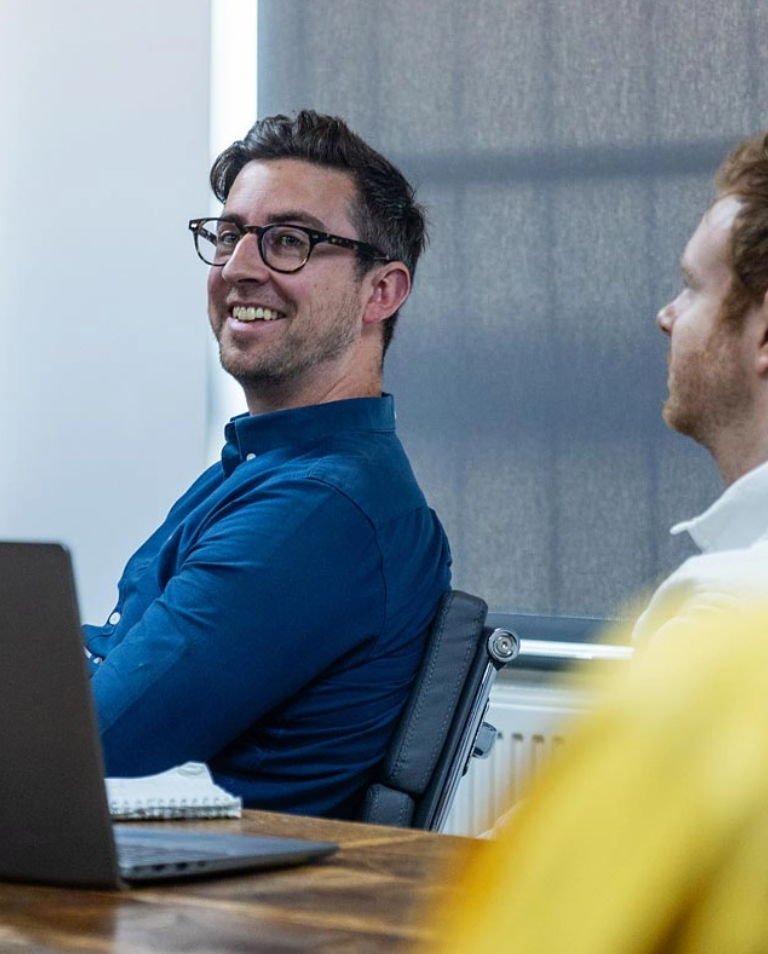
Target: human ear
{"points": [[761, 317], [389, 286]]}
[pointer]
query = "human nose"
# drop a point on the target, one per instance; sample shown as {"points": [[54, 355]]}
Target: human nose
{"points": [[666, 317], [246, 261]]}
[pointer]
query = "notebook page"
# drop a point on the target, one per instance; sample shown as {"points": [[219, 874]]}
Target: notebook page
{"points": [[186, 791]]}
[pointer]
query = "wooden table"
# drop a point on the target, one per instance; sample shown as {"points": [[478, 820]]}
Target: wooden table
{"points": [[370, 897]]}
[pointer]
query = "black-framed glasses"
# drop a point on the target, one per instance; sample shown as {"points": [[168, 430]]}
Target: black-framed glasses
{"points": [[284, 248]]}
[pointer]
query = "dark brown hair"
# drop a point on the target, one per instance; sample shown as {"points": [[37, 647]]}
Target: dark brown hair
{"points": [[744, 174]]}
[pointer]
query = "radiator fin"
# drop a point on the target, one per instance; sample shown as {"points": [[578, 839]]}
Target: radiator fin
{"points": [[532, 724]]}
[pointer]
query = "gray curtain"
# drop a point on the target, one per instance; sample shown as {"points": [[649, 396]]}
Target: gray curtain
{"points": [[565, 149]]}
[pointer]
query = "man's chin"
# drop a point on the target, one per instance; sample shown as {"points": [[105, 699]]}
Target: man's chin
{"points": [[237, 366], [677, 420], [670, 413], [250, 374]]}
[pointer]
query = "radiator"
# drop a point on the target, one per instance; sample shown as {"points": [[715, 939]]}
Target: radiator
{"points": [[532, 722]]}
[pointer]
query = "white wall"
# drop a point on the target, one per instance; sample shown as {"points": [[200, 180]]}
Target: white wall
{"points": [[104, 112]]}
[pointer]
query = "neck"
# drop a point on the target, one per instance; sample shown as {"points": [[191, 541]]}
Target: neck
{"points": [[267, 396], [739, 451], [266, 403]]}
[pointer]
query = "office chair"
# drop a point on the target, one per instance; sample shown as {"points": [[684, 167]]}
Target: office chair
{"points": [[558, 642], [441, 727]]}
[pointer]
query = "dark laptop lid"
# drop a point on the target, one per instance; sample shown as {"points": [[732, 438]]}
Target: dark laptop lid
{"points": [[54, 819]]}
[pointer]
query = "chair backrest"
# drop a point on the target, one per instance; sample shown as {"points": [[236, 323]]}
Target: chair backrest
{"points": [[436, 735]]}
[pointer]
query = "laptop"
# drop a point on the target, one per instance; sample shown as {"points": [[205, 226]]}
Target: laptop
{"points": [[55, 825]]}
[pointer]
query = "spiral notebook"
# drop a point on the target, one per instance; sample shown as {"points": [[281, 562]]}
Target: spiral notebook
{"points": [[187, 791]]}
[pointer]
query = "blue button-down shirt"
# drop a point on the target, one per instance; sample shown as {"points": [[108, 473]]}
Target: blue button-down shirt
{"points": [[273, 624]]}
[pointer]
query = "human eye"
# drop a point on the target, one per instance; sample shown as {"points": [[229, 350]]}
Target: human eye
{"points": [[690, 282], [227, 235], [289, 239], [287, 243]]}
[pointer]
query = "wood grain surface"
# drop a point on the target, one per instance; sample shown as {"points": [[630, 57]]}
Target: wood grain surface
{"points": [[372, 896]]}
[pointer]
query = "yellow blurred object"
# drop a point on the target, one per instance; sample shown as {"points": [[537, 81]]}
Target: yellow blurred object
{"points": [[649, 832]]}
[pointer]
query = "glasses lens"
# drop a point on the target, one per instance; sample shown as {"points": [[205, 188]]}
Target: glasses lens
{"points": [[216, 240], [285, 248]]}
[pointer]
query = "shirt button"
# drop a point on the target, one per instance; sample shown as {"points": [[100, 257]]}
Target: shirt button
{"points": [[250, 457], [114, 619]]}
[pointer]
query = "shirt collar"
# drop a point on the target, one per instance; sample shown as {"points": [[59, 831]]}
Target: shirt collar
{"points": [[249, 435], [735, 519]]}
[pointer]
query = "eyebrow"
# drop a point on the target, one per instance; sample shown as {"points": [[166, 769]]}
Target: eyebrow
{"points": [[295, 216], [300, 217]]}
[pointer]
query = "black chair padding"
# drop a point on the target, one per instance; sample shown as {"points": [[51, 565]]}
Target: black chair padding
{"points": [[424, 725], [388, 806]]}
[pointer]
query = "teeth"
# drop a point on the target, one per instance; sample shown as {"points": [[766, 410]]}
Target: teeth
{"points": [[242, 313]]}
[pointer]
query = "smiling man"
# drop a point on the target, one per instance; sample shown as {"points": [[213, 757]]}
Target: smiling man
{"points": [[273, 625], [718, 394]]}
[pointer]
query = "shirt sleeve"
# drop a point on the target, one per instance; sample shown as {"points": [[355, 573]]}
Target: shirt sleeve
{"points": [[268, 597]]}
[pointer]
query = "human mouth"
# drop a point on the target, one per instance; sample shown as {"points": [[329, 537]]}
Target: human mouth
{"points": [[252, 313]]}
